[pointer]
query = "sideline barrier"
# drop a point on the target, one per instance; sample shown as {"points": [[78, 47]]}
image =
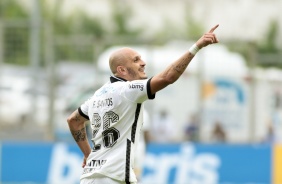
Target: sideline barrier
{"points": [[60, 163]]}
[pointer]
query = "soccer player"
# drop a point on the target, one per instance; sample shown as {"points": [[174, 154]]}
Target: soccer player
{"points": [[115, 113]]}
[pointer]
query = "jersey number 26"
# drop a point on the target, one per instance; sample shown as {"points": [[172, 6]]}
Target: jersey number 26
{"points": [[109, 135]]}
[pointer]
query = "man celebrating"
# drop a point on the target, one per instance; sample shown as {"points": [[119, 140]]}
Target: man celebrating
{"points": [[115, 112]]}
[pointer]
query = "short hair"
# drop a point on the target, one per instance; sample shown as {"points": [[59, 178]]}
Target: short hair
{"points": [[118, 58]]}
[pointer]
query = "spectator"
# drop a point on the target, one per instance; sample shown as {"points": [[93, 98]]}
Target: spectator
{"points": [[218, 133], [191, 129], [162, 128], [270, 135]]}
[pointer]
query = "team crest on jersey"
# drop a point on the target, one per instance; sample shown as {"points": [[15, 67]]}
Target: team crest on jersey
{"points": [[136, 86]]}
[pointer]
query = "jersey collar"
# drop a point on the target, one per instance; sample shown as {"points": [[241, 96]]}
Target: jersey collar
{"points": [[116, 79]]}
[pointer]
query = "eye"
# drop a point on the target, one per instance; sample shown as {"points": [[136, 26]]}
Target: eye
{"points": [[136, 59]]}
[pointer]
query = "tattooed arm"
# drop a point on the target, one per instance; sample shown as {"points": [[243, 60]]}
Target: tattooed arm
{"points": [[77, 127], [176, 69]]}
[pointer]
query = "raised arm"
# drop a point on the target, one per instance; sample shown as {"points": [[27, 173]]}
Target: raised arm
{"points": [[77, 127], [175, 70]]}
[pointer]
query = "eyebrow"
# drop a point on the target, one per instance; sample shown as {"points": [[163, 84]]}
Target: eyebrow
{"points": [[137, 57]]}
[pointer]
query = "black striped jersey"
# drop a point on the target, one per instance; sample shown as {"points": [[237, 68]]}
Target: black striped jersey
{"points": [[115, 112]]}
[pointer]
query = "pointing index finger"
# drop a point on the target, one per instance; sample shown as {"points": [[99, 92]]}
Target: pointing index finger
{"points": [[212, 29]]}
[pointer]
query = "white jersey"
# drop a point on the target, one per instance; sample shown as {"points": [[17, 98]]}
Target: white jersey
{"points": [[115, 112]]}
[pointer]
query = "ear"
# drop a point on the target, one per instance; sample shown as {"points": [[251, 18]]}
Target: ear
{"points": [[121, 70]]}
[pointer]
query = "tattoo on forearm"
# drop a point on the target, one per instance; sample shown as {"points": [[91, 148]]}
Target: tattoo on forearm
{"points": [[79, 135], [182, 66], [77, 118]]}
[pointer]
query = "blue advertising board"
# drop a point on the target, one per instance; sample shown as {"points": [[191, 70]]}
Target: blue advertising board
{"points": [[196, 163], [164, 164], [21, 162], [40, 163]]}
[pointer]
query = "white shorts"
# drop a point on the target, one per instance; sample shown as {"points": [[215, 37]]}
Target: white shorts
{"points": [[101, 179]]}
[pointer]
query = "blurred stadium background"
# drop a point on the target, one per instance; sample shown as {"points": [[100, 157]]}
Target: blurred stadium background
{"points": [[53, 55]]}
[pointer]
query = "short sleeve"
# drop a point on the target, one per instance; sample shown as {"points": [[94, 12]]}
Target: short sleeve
{"points": [[83, 109], [137, 90]]}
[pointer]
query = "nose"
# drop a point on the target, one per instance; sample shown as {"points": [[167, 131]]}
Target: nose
{"points": [[143, 63]]}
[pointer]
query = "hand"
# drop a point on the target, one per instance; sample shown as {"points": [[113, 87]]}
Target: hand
{"points": [[208, 38], [84, 162]]}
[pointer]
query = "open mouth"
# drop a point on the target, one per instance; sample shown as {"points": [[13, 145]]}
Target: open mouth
{"points": [[142, 70]]}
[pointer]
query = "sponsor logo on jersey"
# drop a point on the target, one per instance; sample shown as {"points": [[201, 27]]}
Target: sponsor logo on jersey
{"points": [[136, 86], [93, 165], [96, 164]]}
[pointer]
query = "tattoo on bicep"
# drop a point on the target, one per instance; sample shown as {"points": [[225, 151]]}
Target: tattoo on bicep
{"points": [[79, 135]]}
